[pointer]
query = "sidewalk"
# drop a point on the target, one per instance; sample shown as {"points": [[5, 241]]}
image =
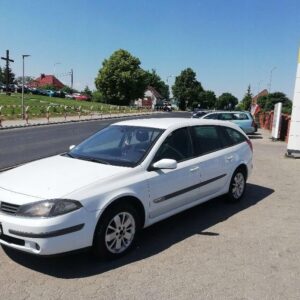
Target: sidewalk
{"points": [[6, 124]]}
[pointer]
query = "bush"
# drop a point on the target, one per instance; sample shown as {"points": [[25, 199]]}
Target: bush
{"points": [[98, 97]]}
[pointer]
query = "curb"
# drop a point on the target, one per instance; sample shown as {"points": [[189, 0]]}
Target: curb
{"points": [[72, 121]]}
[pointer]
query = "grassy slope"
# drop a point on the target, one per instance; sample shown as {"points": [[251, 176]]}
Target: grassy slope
{"points": [[38, 105]]}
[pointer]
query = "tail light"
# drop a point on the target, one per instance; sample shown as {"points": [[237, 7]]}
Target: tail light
{"points": [[250, 144]]}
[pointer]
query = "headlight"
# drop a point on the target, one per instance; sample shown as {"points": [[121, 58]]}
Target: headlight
{"points": [[48, 208]]}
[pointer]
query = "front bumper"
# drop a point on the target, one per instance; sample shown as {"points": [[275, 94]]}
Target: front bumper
{"points": [[48, 236]]}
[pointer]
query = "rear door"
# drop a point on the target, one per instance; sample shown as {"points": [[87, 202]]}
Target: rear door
{"points": [[209, 151]]}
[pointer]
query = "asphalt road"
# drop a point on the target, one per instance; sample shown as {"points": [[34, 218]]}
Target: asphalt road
{"points": [[21, 145], [248, 250]]}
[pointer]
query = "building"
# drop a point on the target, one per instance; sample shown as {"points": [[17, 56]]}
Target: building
{"points": [[260, 94], [44, 80], [151, 98]]}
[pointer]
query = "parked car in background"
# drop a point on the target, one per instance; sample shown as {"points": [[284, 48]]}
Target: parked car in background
{"points": [[243, 119], [199, 113], [80, 97], [127, 176]]}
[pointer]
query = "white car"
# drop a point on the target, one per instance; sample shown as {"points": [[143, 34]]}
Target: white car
{"points": [[127, 176]]}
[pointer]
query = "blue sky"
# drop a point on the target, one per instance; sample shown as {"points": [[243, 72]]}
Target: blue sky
{"points": [[228, 43]]}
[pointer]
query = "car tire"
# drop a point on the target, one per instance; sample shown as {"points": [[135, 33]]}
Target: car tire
{"points": [[116, 232], [237, 186]]}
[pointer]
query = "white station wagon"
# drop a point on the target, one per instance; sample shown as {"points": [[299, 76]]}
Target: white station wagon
{"points": [[127, 176]]}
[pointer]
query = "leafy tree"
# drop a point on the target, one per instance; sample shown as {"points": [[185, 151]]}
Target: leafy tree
{"points": [[186, 88], [154, 80], [267, 103], [50, 87], [68, 90], [247, 100], [27, 79], [227, 101], [121, 79], [98, 97], [87, 92], [207, 99], [261, 101]]}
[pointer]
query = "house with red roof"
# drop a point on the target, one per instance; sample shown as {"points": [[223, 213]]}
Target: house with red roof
{"points": [[44, 80]]}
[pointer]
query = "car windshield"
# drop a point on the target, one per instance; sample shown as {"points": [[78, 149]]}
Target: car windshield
{"points": [[117, 145]]}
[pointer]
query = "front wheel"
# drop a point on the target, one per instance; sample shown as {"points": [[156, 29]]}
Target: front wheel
{"points": [[237, 186], [116, 232]]}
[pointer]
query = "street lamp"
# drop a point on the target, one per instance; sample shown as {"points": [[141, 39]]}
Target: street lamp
{"points": [[270, 83], [169, 76], [57, 63], [23, 57]]}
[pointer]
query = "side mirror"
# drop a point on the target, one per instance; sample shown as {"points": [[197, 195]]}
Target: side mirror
{"points": [[72, 147], [165, 163]]}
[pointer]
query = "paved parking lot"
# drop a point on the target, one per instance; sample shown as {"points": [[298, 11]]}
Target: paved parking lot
{"points": [[249, 250]]}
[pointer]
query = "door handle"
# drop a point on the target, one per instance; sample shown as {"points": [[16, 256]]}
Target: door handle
{"points": [[229, 158], [194, 169]]}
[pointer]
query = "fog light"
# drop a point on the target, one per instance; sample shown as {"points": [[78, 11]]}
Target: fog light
{"points": [[37, 246]]}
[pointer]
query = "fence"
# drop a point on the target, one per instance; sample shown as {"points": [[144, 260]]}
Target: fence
{"points": [[265, 120], [14, 112]]}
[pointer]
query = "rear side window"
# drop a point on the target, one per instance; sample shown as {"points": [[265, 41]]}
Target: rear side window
{"points": [[240, 116], [234, 136], [205, 139]]}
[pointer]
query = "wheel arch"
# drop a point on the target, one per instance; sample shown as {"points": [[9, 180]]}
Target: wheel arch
{"points": [[244, 168], [128, 199]]}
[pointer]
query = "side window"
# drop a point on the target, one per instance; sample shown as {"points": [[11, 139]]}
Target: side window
{"points": [[211, 116], [226, 116], [176, 146], [235, 136], [205, 139], [240, 116]]}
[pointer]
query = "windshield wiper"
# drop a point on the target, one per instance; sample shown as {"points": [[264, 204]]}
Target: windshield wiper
{"points": [[70, 155], [94, 160]]}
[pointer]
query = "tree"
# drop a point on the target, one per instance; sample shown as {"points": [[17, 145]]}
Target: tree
{"points": [[186, 88], [121, 79], [207, 99], [154, 80], [1, 76], [27, 79], [267, 103], [247, 100], [67, 90], [87, 92], [11, 76], [261, 101], [227, 101]]}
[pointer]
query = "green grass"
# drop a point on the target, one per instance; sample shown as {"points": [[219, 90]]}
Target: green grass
{"points": [[11, 106]]}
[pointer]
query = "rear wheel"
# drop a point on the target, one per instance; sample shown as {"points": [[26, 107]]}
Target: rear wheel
{"points": [[237, 186], [116, 232]]}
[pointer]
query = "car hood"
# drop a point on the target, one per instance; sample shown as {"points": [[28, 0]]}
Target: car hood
{"points": [[55, 176]]}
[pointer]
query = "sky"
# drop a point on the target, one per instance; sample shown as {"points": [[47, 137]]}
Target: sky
{"points": [[228, 43]]}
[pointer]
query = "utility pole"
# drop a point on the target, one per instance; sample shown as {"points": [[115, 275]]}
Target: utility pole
{"points": [[8, 60], [270, 82]]}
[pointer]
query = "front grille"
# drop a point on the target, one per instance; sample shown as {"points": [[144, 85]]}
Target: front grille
{"points": [[9, 208]]}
